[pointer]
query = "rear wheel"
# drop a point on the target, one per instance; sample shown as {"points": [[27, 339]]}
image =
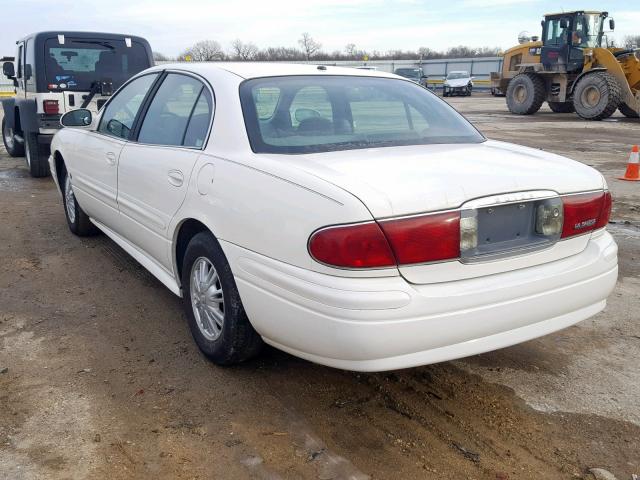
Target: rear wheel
{"points": [[14, 148], [627, 111], [525, 93], [596, 96], [37, 159], [217, 318], [561, 107]]}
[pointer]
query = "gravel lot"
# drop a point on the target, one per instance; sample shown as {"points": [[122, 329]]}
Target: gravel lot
{"points": [[99, 377]]}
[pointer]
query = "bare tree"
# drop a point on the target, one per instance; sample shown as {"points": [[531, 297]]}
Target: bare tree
{"points": [[350, 50], [309, 46], [204, 51], [244, 51], [160, 57], [631, 41]]}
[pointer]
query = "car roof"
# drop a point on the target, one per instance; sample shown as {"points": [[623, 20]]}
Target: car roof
{"points": [[83, 35], [248, 70]]}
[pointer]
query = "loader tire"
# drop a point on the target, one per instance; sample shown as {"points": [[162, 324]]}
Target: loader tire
{"points": [[596, 96], [627, 111], [561, 107], [526, 93]]}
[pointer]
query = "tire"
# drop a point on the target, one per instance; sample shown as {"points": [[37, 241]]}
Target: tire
{"points": [[561, 107], [596, 96], [37, 159], [627, 111], [14, 148], [225, 335], [525, 93], [77, 220]]}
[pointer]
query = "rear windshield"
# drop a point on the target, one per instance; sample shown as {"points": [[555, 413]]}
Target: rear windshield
{"points": [[78, 63], [306, 114]]}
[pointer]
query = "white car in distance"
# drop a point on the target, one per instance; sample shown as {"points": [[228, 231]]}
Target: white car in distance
{"points": [[348, 217], [457, 83]]}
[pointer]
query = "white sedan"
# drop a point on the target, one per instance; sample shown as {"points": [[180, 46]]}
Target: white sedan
{"points": [[345, 216]]}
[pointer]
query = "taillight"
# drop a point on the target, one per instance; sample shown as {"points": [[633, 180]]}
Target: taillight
{"points": [[585, 212], [605, 213], [405, 241], [425, 238], [352, 246], [50, 107]]}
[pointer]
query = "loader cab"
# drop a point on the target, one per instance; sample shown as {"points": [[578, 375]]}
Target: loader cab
{"points": [[566, 35]]}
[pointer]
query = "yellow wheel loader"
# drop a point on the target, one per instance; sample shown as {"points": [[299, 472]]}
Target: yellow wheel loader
{"points": [[572, 69]]}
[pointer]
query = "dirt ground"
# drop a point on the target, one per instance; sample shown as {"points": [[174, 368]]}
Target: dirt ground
{"points": [[101, 379]]}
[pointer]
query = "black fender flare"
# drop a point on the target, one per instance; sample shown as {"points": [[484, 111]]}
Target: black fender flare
{"points": [[8, 107], [584, 74], [28, 114]]}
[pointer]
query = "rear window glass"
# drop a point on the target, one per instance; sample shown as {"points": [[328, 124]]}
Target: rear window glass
{"points": [[305, 114], [77, 63]]}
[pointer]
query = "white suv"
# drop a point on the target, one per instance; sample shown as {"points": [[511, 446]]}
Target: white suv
{"points": [[55, 72]]}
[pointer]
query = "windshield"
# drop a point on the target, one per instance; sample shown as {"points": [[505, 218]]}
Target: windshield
{"points": [[455, 75], [306, 114], [77, 63], [408, 72], [587, 32]]}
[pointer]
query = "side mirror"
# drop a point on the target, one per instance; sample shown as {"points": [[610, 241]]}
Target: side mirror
{"points": [[542, 23], [77, 118], [612, 24], [27, 71], [563, 23], [8, 70]]}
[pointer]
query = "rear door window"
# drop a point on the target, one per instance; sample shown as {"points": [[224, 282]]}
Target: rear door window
{"points": [[170, 112]]}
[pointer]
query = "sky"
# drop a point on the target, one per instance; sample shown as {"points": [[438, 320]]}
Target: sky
{"points": [[173, 25]]}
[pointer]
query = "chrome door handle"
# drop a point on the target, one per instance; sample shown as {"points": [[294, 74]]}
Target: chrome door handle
{"points": [[111, 158], [175, 178]]}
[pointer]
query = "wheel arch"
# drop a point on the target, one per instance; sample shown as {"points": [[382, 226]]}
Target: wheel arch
{"points": [[186, 229], [59, 165]]}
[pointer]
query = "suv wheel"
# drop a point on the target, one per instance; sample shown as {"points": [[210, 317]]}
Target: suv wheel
{"points": [[77, 220], [37, 162], [14, 148], [214, 310]]}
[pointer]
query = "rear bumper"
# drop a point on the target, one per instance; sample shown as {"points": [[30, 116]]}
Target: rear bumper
{"points": [[374, 324]]}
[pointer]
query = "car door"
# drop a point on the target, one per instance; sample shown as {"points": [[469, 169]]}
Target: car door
{"points": [[154, 171], [94, 164]]}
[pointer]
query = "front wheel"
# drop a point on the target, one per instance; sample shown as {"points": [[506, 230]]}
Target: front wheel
{"points": [[217, 319], [37, 159], [596, 96], [77, 220], [14, 148]]}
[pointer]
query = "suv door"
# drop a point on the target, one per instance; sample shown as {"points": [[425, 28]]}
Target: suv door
{"points": [[94, 163], [154, 171]]}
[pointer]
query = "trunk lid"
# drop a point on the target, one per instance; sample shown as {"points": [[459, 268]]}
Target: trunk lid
{"points": [[399, 181]]}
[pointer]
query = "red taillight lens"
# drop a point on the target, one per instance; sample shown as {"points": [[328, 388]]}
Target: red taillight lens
{"points": [[352, 246], [426, 238], [585, 212], [50, 107], [605, 213], [405, 241]]}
